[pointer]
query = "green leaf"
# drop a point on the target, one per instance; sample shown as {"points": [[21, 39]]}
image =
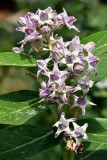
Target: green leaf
{"points": [[100, 94], [17, 107], [23, 142], [100, 39], [96, 147], [14, 59]]}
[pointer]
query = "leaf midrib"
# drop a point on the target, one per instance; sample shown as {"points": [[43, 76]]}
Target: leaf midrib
{"points": [[28, 106], [23, 145]]}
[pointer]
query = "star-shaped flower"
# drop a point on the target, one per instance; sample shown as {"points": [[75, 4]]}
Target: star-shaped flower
{"points": [[63, 125]]}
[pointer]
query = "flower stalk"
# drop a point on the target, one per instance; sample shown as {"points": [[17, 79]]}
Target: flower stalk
{"points": [[66, 155], [65, 63]]}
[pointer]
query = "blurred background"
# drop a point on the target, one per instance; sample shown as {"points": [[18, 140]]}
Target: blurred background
{"points": [[91, 17]]}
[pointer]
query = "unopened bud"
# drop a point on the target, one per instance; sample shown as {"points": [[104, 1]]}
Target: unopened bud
{"points": [[78, 68], [45, 30]]}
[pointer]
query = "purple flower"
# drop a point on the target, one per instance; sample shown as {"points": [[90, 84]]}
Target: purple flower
{"points": [[42, 65], [69, 20], [67, 62], [79, 133], [92, 64], [71, 60], [63, 125], [39, 26], [89, 58], [82, 102], [91, 61], [84, 83], [56, 76], [47, 91]]}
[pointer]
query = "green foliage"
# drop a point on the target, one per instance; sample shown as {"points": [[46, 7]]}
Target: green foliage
{"points": [[100, 39], [96, 147], [25, 141], [13, 59], [17, 107]]}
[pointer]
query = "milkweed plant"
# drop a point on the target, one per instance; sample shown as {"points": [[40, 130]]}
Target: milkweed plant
{"points": [[65, 72]]}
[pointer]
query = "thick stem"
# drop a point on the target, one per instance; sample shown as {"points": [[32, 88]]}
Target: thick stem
{"points": [[66, 155], [71, 155]]}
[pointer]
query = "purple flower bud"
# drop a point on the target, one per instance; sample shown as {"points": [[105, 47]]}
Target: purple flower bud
{"points": [[58, 23], [92, 64], [21, 29], [85, 83], [45, 30], [93, 60], [22, 21], [63, 98], [17, 50], [58, 53], [78, 68], [90, 47], [75, 45], [43, 16]]}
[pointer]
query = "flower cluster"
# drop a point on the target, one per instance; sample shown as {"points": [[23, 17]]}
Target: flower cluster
{"points": [[65, 73], [68, 61], [38, 27], [78, 132]]}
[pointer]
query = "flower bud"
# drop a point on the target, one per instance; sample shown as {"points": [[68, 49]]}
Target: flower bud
{"points": [[17, 50], [78, 68], [43, 16], [45, 30]]}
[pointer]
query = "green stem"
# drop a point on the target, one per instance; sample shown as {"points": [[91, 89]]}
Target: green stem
{"points": [[66, 155], [71, 155]]}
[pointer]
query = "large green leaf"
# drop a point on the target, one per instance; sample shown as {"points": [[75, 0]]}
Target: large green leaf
{"points": [[14, 59], [17, 107], [96, 147], [23, 142], [100, 39]]}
